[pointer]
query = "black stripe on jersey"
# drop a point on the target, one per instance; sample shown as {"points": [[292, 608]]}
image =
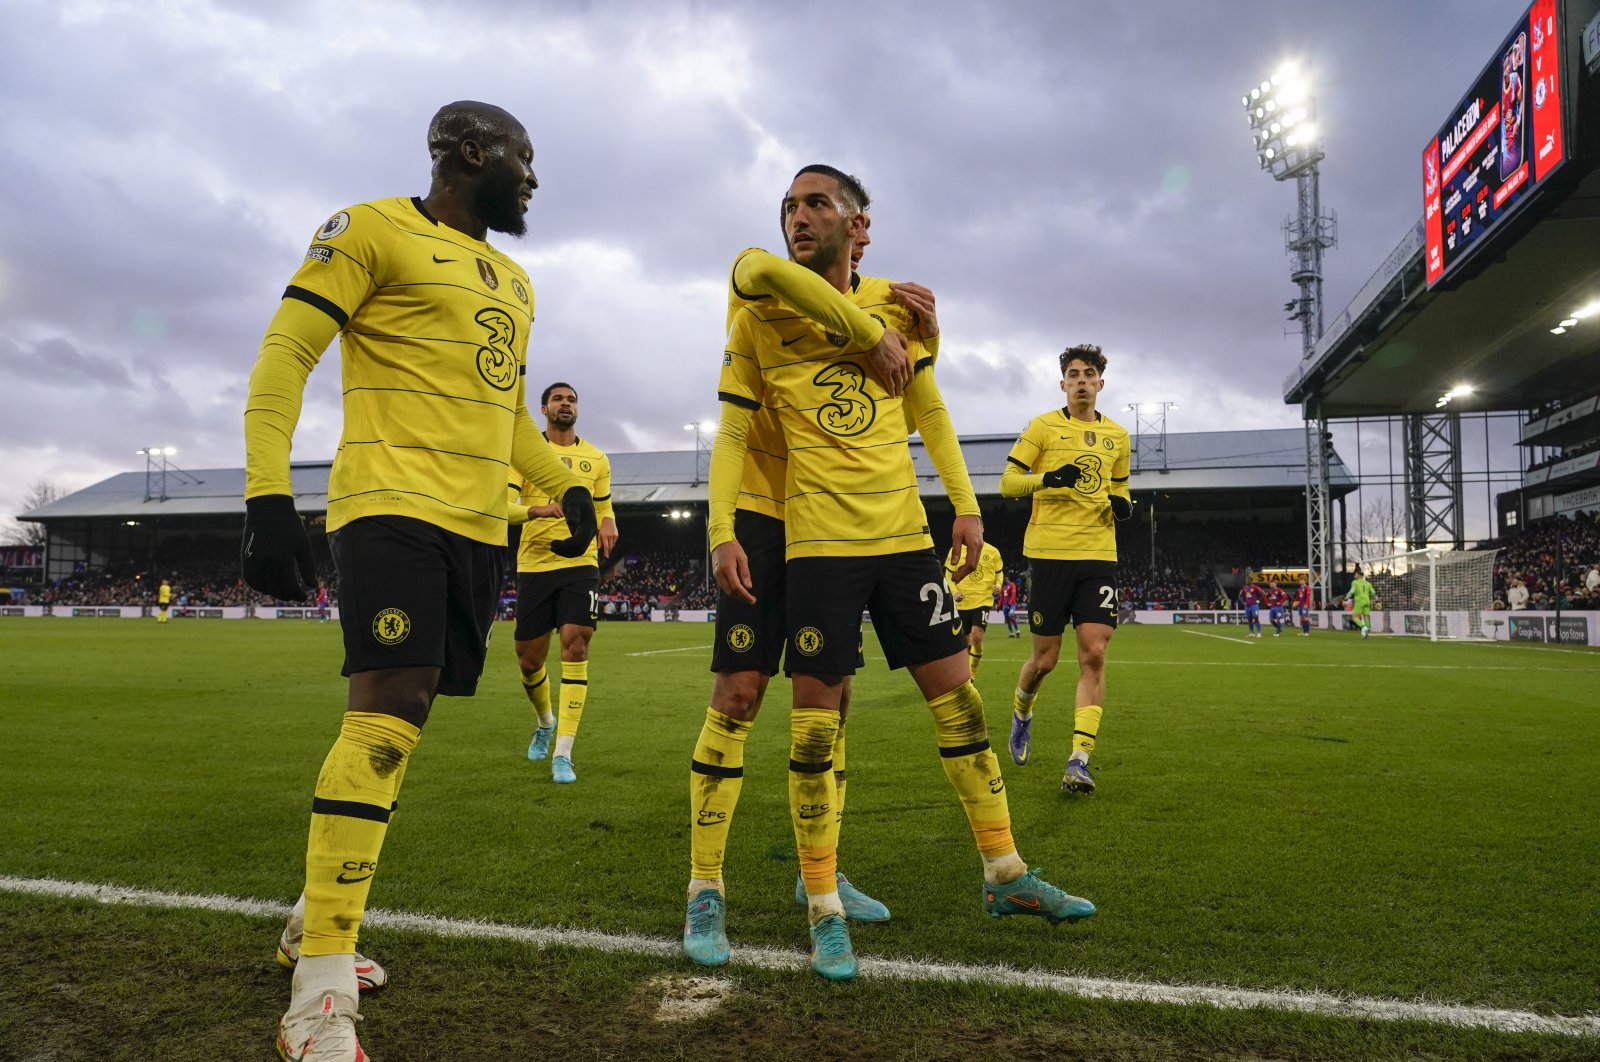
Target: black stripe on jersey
{"points": [[810, 768], [920, 365], [1019, 464], [738, 400], [735, 272], [500, 516], [764, 497], [435, 394], [422, 208], [521, 308], [850, 493], [833, 446], [1119, 479], [767, 453], [350, 809], [413, 446], [965, 750], [311, 298], [715, 770], [515, 486], [603, 497]]}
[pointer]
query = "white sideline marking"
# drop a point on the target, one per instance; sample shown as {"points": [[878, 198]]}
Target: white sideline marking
{"points": [[1587, 1025], [1218, 637], [680, 649], [1361, 667]]}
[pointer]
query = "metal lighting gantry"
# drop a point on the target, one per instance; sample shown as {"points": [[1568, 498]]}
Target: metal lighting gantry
{"points": [[1282, 115]]}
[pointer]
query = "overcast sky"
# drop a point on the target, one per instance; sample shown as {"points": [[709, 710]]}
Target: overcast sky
{"points": [[1056, 172]]}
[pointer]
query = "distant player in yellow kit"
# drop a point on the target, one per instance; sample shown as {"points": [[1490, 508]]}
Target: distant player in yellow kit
{"points": [[1073, 463], [976, 595], [558, 593], [163, 600]]}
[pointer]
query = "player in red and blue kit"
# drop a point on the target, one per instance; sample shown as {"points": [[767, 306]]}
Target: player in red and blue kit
{"points": [[1250, 601], [1008, 608], [1277, 602], [322, 601], [1302, 605]]}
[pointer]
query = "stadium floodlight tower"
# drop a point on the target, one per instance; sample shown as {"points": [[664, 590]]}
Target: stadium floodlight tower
{"points": [[156, 465], [1282, 115]]}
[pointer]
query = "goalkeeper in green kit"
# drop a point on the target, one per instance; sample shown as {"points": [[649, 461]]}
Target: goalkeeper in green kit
{"points": [[1360, 598]]}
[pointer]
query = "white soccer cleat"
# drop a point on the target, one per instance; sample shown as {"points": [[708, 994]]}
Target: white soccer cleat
{"points": [[323, 1031], [369, 975]]}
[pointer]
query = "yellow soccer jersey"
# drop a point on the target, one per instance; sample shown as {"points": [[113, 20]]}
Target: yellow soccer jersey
{"points": [[758, 277], [979, 588], [1073, 523], [433, 330], [164, 594], [593, 469], [850, 488]]}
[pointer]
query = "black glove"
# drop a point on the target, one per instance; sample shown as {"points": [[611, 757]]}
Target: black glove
{"points": [[1121, 507], [276, 556], [578, 505], [1065, 476]]}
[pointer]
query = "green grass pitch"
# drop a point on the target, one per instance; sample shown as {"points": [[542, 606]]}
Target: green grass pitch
{"points": [[1383, 818]]}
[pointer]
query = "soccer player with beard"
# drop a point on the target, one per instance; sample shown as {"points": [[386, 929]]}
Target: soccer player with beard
{"points": [[856, 537], [433, 326], [556, 592], [1073, 463], [749, 631]]}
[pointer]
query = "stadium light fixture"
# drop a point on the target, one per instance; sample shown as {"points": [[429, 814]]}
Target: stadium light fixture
{"points": [[1586, 311], [1558, 331], [1569, 322]]}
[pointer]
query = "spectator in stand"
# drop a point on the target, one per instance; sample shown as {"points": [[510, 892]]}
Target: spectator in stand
{"points": [[1517, 596]]}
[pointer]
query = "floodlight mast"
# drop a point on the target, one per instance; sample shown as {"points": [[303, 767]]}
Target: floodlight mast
{"points": [[1281, 112]]}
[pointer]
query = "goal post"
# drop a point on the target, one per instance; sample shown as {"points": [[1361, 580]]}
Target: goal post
{"points": [[1439, 593]]}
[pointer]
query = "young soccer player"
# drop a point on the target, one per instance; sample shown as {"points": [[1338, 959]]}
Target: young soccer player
{"points": [[556, 593], [975, 596], [1277, 601], [1302, 605], [1073, 462], [1008, 608], [1250, 601]]}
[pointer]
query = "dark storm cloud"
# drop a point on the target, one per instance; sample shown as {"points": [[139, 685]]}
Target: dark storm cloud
{"points": [[1056, 172]]}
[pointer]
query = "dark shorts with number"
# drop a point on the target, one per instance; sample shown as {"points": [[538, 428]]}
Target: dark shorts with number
{"points": [[913, 612], [549, 600], [412, 594], [975, 617], [1071, 591], [750, 637]]}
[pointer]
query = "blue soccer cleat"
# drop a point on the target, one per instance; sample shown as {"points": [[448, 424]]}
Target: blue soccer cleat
{"points": [[561, 770], [1019, 739], [539, 747], [1032, 895], [705, 929], [1077, 778], [858, 906], [831, 955]]}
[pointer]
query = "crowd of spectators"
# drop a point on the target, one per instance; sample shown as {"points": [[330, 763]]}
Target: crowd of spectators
{"points": [[1526, 573], [1568, 453]]}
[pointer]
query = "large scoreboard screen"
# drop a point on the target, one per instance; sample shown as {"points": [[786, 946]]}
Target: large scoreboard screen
{"points": [[1501, 142]]}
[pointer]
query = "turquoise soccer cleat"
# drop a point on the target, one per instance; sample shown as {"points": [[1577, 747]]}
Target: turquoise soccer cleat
{"points": [[858, 906], [705, 932], [831, 954], [1032, 895], [539, 747], [561, 770]]}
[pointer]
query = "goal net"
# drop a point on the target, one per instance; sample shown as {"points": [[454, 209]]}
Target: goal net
{"points": [[1441, 594]]}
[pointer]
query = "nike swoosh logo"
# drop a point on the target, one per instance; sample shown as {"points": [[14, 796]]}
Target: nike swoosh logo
{"points": [[955, 628], [1034, 904], [342, 880], [442, 261], [786, 342], [815, 814]]}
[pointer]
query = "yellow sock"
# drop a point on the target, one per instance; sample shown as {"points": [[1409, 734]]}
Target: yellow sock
{"points": [[1022, 701], [1085, 725], [716, 774], [574, 691], [973, 768], [350, 812], [839, 776], [537, 687], [812, 795], [975, 658]]}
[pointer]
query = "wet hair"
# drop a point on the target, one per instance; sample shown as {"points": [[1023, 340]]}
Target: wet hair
{"points": [[456, 123], [1084, 352], [855, 193], [544, 399]]}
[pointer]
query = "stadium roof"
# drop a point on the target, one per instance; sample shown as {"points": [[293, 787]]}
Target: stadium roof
{"points": [[1267, 460]]}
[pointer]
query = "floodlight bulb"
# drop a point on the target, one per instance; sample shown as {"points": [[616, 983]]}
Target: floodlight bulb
{"points": [[1584, 312], [1569, 322], [1459, 391], [1557, 331], [1277, 78], [1266, 86], [708, 425], [1276, 127], [688, 427], [1255, 94], [1307, 132], [1271, 105], [169, 450], [1270, 154], [1261, 112], [1292, 139]]}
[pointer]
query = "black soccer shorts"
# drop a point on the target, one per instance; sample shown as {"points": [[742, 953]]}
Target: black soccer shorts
{"points": [[750, 637], [412, 594], [548, 600], [1075, 591], [913, 612], [975, 617]]}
